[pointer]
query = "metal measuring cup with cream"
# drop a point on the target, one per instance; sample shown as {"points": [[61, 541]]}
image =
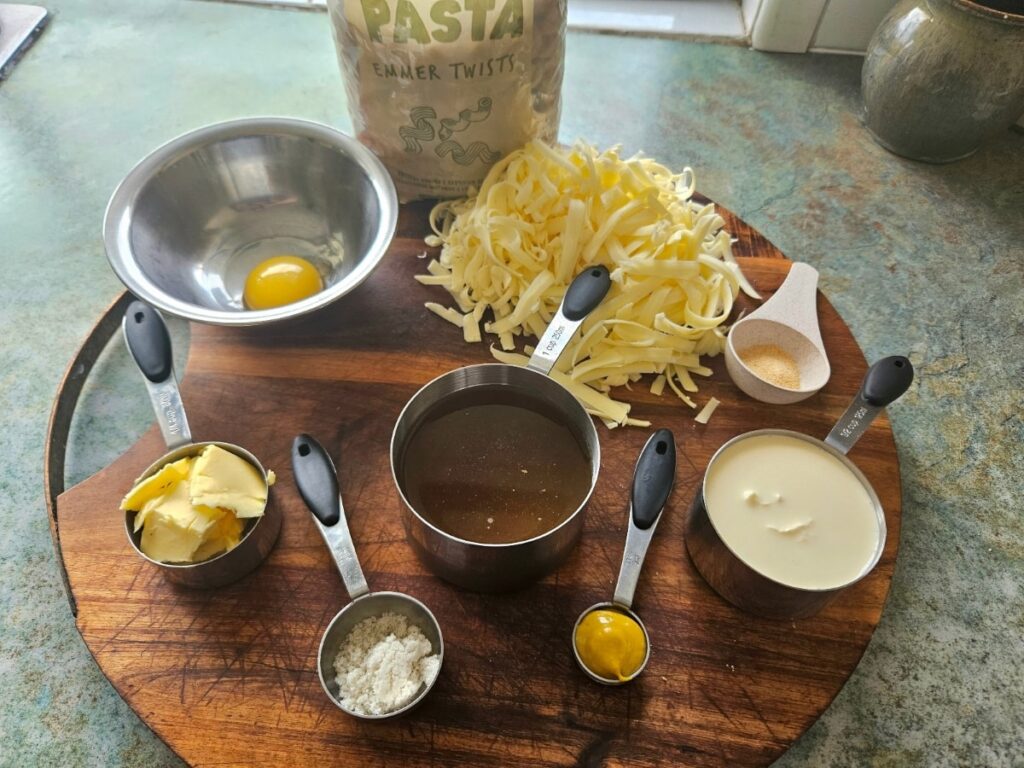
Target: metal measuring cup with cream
{"points": [[784, 521], [200, 512]]}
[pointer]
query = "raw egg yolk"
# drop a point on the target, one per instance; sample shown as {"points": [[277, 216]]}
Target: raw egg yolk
{"points": [[281, 280], [611, 644]]}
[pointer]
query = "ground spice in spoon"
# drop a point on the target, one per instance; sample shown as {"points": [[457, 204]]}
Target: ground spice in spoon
{"points": [[773, 364]]}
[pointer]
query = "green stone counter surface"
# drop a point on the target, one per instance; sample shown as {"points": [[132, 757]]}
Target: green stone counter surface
{"points": [[918, 259]]}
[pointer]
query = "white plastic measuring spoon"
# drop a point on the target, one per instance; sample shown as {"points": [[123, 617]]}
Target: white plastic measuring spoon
{"points": [[788, 320]]}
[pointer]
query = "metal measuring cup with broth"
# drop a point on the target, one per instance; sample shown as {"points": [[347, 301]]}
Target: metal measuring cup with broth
{"points": [[609, 641], [783, 521], [495, 463], [163, 483], [317, 482]]}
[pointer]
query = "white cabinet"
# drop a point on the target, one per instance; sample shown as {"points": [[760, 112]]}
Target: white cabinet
{"points": [[798, 26]]}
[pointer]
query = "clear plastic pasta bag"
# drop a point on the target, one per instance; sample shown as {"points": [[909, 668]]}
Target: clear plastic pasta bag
{"points": [[441, 90]]}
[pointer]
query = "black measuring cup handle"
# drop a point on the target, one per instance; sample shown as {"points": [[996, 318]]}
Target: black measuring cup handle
{"points": [[149, 344], [887, 380], [316, 479], [148, 340], [653, 478], [585, 292], [884, 382]]}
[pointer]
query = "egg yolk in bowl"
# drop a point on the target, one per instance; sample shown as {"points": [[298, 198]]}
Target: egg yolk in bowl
{"points": [[281, 280]]}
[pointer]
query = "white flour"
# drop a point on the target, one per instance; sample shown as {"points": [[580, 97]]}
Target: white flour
{"points": [[382, 664]]}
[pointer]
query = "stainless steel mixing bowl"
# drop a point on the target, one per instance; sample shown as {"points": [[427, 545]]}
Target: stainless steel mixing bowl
{"points": [[188, 223]]}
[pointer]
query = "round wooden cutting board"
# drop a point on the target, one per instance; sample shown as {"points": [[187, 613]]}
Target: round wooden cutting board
{"points": [[228, 677]]}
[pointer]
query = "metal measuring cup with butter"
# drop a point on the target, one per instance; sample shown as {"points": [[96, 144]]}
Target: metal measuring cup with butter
{"points": [[381, 653], [200, 512]]}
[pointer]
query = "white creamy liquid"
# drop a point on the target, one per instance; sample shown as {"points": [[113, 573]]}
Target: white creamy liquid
{"points": [[792, 511]]}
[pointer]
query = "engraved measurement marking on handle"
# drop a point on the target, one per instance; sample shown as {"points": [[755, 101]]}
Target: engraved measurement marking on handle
{"points": [[556, 334], [170, 409], [854, 421]]}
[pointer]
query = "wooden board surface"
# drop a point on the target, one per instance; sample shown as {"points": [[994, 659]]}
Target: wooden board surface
{"points": [[228, 677]]}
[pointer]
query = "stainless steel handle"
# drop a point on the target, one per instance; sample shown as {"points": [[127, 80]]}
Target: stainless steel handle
{"points": [[343, 551], [581, 298], [653, 479], [553, 343], [317, 481], [637, 541], [170, 412], [884, 382], [852, 424], [149, 344]]}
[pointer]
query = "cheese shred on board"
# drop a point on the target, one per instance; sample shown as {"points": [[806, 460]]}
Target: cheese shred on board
{"points": [[541, 216], [705, 413]]}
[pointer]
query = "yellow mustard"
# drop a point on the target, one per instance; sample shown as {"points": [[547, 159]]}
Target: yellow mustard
{"points": [[611, 644]]}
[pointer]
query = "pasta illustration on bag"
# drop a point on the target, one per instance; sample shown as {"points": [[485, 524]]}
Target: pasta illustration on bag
{"points": [[443, 89]]}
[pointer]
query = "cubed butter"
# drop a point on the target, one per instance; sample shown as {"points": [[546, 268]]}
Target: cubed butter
{"points": [[226, 535], [157, 484], [221, 479], [190, 509], [174, 529], [166, 542]]}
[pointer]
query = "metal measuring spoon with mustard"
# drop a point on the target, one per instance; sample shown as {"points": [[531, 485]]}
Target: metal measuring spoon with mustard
{"points": [[381, 653], [609, 640]]}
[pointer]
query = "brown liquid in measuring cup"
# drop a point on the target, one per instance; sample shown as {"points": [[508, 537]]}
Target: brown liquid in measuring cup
{"points": [[494, 467]]}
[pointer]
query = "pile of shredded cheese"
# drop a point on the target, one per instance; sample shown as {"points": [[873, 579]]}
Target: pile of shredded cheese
{"points": [[541, 216]]}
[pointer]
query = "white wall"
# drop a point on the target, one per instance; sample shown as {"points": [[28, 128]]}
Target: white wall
{"points": [[796, 26], [847, 25]]}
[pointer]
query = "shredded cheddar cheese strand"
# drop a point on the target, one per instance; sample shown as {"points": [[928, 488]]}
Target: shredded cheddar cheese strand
{"points": [[541, 216]]}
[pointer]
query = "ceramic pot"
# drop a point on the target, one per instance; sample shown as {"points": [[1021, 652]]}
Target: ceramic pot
{"points": [[942, 76]]}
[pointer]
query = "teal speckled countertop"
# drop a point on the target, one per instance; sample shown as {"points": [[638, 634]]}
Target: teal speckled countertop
{"points": [[922, 260]]}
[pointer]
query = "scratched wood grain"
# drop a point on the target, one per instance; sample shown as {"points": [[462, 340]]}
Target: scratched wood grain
{"points": [[228, 677]]}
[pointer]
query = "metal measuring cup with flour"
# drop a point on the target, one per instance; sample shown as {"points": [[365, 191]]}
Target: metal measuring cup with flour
{"points": [[381, 654]]}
